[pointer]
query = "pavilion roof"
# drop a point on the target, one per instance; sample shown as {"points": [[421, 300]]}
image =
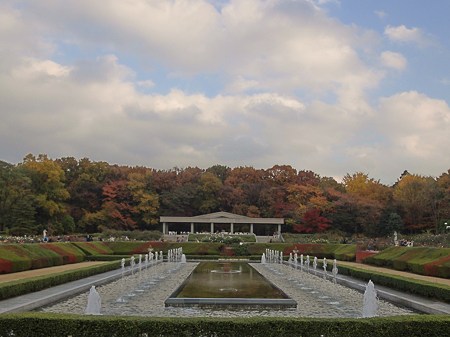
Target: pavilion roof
{"points": [[221, 217]]}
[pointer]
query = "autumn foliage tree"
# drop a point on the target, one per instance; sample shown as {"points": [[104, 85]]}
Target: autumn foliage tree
{"points": [[48, 185], [313, 222], [17, 201], [69, 195], [416, 196]]}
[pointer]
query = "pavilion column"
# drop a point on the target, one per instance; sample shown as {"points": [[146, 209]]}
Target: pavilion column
{"points": [[164, 228], [192, 228], [251, 228], [212, 227], [231, 228], [279, 230]]}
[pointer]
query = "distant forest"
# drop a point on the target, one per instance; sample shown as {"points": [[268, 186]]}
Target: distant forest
{"points": [[81, 196]]}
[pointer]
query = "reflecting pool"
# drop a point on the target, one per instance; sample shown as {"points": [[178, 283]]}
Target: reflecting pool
{"points": [[233, 284], [145, 294]]}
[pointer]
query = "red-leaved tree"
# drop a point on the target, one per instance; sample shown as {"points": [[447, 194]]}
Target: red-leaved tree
{"points": [[312, 222]]}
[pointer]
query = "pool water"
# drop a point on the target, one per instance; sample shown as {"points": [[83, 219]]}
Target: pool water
{"points": [[227, 280], [228, 284]]}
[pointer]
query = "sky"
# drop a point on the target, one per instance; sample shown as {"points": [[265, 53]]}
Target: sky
{"points": [[332, 86]]}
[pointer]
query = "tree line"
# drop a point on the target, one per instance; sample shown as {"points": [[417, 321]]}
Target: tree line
{"points": [[67, 195]]}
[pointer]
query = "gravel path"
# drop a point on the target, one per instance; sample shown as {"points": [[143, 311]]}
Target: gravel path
{"points": [[144, 293]]}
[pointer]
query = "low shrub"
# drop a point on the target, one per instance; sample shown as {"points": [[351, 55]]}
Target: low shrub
{"points": [[326, 237], [20, 257], [42, 257], [413, 286], [29, 285], [440, 267], [345, 252], [14, 258], [221, 238], [69, 252], [5, 266], [130, 235], [129, 247], [420, 260], [191, 248], [106, 257], [240, 249], [93, 247], [52, 325]]}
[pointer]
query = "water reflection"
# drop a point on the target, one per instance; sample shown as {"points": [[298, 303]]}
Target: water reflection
{"points": [[227, 280]]}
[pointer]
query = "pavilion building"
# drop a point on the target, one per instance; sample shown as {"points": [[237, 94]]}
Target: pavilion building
{"points": [[219, 222]]}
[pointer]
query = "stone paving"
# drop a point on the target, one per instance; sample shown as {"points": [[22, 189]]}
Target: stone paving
{"points": [[144, 293]]}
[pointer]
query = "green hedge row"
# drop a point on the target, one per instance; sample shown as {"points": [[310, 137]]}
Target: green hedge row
{"points": [[29, 285], [214, 237], [419, 260], [217, 257], [20, 257], [55, 325], [331, 251], [94, 248], [107, 257], [413, 286]]}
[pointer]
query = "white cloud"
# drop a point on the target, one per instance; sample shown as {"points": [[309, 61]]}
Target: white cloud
{"points": [[393, 60], [34, 69], [106, 114], [381, 14], [415, 131], [414, 113], [407, 131], [405, 34], [270, 45], [323, 2], [240, 84], [146, 84], [20, 37], [291, 86], [106, 118]]}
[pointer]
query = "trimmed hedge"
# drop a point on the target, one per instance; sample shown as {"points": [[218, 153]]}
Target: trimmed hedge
{"points": [[28, 256], [419, 260], [214, 237], [133, 247], [107, 257], [29, 285], [56, 325], [189, 248], [94, 248], [330, 251], [217, 257], [413, 286], [204, 248], [14, 258], [20, 257]]}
